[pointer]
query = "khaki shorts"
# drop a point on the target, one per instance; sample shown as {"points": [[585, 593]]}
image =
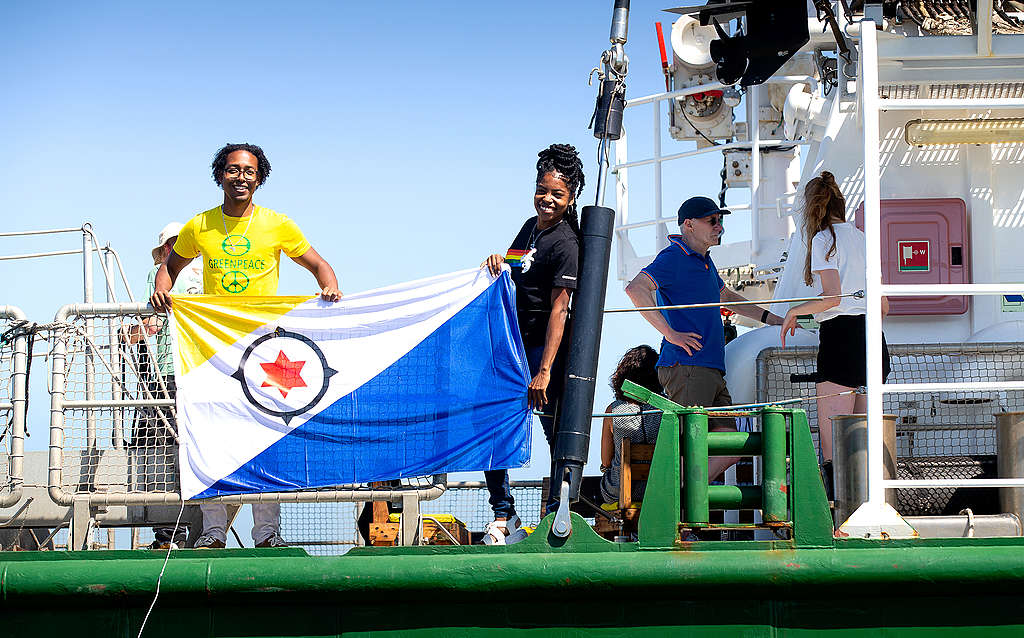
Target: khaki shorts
{"points": [[697, 385]]}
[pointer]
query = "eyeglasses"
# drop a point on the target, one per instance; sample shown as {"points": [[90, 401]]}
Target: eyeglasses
{"points": [[234, 171], [714, 220]]}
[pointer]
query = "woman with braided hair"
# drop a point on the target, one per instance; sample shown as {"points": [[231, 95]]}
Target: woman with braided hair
{"points": [[544, 259], [835, 263]]}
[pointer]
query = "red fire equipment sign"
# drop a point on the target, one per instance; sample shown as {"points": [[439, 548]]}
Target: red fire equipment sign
{"points": [[913, 256]]}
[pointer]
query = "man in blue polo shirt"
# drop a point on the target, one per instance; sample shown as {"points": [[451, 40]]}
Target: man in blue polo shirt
{"points": [[691, 367]]}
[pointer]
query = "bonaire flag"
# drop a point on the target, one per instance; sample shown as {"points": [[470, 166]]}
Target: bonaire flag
{"points": [[284, 393]]}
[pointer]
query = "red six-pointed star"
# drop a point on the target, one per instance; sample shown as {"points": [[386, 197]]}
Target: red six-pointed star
{"points": [[283, 374]]}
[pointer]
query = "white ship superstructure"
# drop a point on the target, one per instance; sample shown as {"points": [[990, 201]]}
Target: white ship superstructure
{"points": [[918, 109]]}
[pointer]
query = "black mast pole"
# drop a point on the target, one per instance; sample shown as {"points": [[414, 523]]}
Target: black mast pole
{"points": [[597, 222]]}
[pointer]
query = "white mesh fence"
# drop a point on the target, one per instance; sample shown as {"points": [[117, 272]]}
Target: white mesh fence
{"points": [[124, 440], [938, 434], [328, 529], [119, 427]]}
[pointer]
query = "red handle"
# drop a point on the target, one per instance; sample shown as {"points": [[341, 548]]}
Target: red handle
{"points": [[664, 56]]}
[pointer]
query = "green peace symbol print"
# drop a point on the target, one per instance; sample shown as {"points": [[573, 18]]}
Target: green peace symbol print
{"points": [[236, 245], [234, 281]]}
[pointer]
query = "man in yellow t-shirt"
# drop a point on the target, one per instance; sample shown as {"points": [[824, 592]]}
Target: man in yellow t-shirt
{"points": [[241, 245]]}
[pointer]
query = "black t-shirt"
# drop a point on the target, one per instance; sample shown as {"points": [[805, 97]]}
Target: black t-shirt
{"points": [[541, 260]]}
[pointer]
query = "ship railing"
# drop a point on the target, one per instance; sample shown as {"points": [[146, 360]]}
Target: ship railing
{"points": [[958, 386], [13, 403], [332, 529], [629, 262], [112, 424], [944, 434], [109, 262], [873, 516]]}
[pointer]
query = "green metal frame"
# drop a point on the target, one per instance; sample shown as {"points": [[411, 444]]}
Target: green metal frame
{"points": [[791, 494]]}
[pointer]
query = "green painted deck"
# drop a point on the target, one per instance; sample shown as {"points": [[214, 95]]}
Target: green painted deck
{"points": [[585, 587], [811, 584]]}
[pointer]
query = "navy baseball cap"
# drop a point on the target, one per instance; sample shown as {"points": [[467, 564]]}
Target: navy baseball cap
{"points": [[697, 207]]}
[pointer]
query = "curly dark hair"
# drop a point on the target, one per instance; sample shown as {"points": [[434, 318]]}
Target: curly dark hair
{"points": [[638, 365], [564, 160], [220, 162]]}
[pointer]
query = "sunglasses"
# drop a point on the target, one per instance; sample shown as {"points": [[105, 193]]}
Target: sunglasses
{"points": [[714, 220]]}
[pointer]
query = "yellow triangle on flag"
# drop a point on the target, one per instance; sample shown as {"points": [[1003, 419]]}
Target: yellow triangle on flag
{"points": [[207, 324]]}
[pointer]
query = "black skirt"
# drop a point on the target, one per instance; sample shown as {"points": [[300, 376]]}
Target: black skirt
{"points": [[842, 355]]}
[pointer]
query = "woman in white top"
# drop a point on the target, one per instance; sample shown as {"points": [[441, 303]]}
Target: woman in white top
{"points": [[835, 263]]}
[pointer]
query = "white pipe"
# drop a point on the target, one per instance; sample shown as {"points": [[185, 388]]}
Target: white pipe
{"points": [[88, 244], [120, 269], [87, 241], [717, 86], [929, 290], [957, 386], [116, 384], [873, 257], [23, 233], [657, 159], [984, 14], [52, 253], [955, 103], [710, 149], [919, 483], [116, 403], [754, 132], [18, 405], [672, 220]]}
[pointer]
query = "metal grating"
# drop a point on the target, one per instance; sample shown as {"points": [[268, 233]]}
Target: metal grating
{"points": [[935, 431], [330, 529], [961, 91], [898, 91], [947, 501], [322, 529], [976, 91], [120, 448]]}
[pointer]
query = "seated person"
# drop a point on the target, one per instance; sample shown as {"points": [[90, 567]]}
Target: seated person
{"points": [[638, 365]]}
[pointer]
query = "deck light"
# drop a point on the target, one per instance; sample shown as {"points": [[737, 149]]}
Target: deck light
{"points": [[977, 131]]}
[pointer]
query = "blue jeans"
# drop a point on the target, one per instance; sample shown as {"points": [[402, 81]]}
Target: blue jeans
{"points": [[501, 499]]}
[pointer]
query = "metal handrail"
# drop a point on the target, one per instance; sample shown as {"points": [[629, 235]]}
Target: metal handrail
{"points": [[90, 245], [870, 106], [53, 231], [923, 104], [52, 253], [717, 86], [18, 407], [926, 349], [753, 142], [661, 159], [928, 290]]}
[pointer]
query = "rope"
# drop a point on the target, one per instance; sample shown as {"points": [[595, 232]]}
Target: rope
{"points": [[716, 304], [750, 406], [741, 407], [160, 578]]}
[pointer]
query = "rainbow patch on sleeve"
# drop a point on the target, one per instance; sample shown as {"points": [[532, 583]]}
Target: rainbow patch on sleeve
{"points": [[515, 257]]}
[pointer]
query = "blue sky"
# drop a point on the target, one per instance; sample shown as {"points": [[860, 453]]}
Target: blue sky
{"points": [[403, 135]]}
